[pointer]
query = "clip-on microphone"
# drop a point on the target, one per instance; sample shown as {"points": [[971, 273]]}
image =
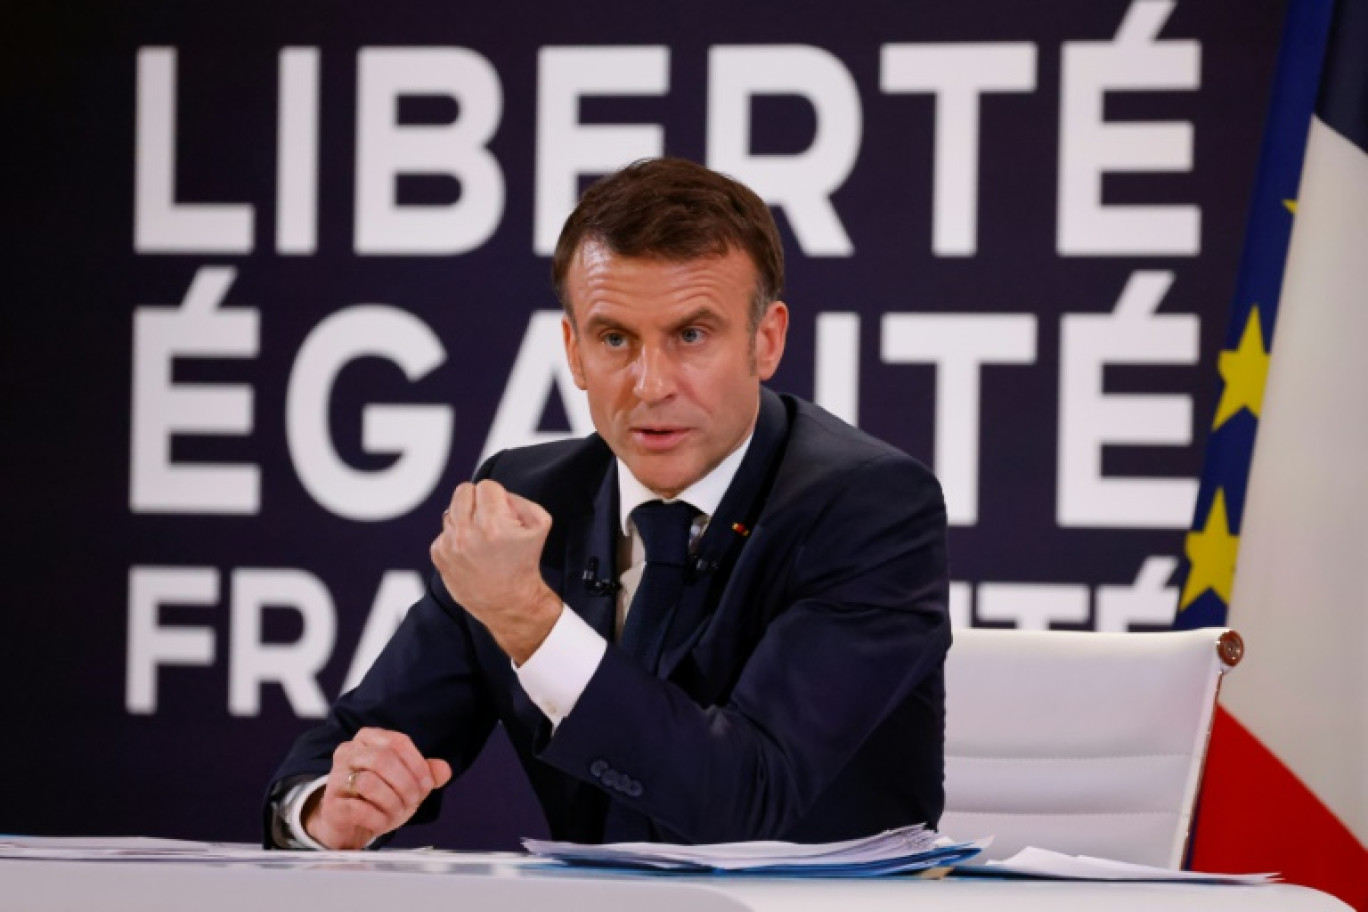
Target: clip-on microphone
{"points": [[594, 583]]}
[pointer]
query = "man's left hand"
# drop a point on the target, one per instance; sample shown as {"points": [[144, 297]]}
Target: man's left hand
{"points": [[489, 557]]}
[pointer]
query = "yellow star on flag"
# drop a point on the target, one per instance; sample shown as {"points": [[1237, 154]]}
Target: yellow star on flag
{"points": [[1211, 554], [1291, 206], [1244, 371]]}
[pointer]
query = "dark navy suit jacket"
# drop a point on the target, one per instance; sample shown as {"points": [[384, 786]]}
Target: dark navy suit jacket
{"points": [[799, 693]]}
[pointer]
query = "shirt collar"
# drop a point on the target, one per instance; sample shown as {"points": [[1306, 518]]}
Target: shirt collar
{"points": [[705, 495]]}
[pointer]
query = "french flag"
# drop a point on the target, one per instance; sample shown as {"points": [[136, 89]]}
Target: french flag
{"points": [[1279, 546]]}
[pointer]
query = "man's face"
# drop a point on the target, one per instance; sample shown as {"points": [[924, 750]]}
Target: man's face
{"points": [[666, 354]]}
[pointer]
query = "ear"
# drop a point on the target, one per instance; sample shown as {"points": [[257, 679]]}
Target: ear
{"points": [[770, 336], [572, 351]]}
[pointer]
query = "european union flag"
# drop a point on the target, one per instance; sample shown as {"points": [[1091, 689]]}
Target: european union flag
{"points": [[1243, 362]]}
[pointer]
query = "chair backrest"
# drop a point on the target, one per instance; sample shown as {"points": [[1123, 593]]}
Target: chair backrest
{"points": [[1085, 743]]}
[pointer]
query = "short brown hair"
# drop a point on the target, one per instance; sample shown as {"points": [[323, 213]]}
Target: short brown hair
{"points": [[674, 210]]}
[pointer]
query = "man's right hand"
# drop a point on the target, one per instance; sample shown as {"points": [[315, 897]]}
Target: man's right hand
{"points": [[377, 781]]}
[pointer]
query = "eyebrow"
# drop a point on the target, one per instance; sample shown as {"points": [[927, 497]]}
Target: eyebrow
{"points": [[598, 322], [704, 314]]}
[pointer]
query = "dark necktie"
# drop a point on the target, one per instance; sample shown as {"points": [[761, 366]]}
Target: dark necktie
{"points": [[664, 530]]}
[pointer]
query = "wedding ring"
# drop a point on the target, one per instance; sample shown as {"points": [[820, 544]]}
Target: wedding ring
{"points": [[351, 784]]}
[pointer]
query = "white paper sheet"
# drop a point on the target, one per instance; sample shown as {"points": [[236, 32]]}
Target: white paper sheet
{"points": [[1043, 863]]}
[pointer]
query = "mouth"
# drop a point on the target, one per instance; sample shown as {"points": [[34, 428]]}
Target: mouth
{"points": [[658, 438]]}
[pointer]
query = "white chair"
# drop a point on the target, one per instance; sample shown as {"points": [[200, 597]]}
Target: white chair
{"points": [[1084, 743]]}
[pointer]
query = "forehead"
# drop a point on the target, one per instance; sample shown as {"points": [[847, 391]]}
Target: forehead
{"points": [[599, 282]]}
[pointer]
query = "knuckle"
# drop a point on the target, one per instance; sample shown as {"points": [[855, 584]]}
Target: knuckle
{"points": [[389, 769]]}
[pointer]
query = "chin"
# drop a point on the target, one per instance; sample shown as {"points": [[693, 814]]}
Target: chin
{"points": [[665, 489], [666, 485]]}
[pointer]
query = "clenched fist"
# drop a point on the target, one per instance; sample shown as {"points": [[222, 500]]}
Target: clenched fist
{"points": [[489, 557], [377, 781]]}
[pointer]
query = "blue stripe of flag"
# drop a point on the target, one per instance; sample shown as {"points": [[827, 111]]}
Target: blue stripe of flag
{"points": [[1343, 103], [1295, 83]]}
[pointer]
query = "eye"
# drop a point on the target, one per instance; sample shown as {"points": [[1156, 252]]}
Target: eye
{"points": [[614, 340], [693, 335]]}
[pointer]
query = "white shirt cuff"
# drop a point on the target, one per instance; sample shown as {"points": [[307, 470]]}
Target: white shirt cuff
{"points": [[294, 811], [556, 674]]}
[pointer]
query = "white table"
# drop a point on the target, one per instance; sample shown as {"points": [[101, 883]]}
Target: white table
{"points": [[492, 883]]}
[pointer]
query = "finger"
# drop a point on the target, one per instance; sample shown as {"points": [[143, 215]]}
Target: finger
{"points": [[491, 503], [408, 753], [398, 777], [346, 816], [403, 748], [462, 507], [348, 801], [340, 823], [367, 787], [393, 756], [441, 772], [363, 815], [372, 737], [344, 755], [528, 512]]}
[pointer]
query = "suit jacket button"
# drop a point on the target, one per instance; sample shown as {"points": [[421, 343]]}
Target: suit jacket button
{"points": [[634, 789], [597, 768]]}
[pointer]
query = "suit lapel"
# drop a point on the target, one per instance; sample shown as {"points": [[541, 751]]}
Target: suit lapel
{"points": [[727, 532], [590, 566]]}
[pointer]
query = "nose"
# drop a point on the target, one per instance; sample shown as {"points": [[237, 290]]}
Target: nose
{"points": [[655, 375]]}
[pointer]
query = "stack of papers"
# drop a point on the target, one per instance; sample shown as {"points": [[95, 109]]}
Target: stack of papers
{"points": [[900, 851]]}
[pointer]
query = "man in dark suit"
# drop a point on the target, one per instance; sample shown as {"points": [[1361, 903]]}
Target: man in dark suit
{"points": [[721, 617]]}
